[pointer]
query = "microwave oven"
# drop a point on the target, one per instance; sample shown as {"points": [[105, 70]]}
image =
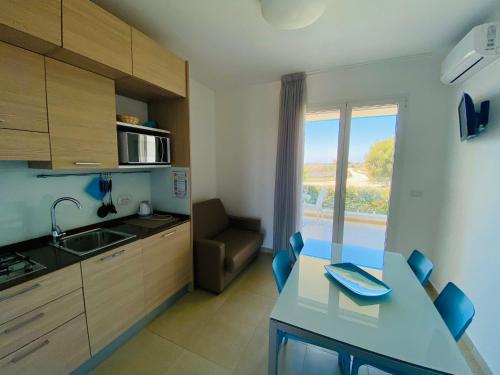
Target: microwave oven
{"points": [[137, 148]]}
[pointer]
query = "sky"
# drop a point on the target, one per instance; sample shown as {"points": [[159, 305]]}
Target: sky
{"points": [[321, 137]]}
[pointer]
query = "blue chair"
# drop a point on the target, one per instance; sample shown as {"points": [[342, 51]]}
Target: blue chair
{"points": [[420, 265], [454, 307], [296, 243], [282, 266]]}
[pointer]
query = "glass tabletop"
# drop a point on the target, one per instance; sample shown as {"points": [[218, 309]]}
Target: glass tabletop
{"points": [[403, 325]]}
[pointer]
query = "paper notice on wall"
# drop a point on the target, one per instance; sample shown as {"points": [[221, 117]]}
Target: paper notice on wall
{"points": [[180, 184]]}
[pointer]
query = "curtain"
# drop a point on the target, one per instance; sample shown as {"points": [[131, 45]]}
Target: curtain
{"points": [[287, 190]]}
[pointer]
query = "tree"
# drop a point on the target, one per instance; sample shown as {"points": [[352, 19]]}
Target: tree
{"points": [[379, 160]]}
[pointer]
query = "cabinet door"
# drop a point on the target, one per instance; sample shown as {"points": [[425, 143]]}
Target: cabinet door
{"points": [[167, 264], [154, 64], [31, 24], [23, 103], [114, 293], [82, 118], [58, 352], [95, 39]]}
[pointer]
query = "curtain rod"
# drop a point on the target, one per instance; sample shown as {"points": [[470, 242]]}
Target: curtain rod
{"points": [[86, 174]]}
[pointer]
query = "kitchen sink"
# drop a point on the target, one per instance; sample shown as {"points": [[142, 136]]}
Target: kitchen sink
{"points": [[91, 241]]}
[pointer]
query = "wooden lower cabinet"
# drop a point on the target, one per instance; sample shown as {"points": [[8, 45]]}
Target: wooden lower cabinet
{"points": [[114, 293], [58, 352], [22, 330], [30, 295], [168, 264]]}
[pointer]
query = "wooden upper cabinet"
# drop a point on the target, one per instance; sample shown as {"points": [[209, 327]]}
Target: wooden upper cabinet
{"points": [[23, 104], [95, 40], [154, 64], [82, 124], [31, 24]]}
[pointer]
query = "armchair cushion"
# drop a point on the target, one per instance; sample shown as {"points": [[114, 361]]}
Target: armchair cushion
{"points": [[209, 219], [209, 264], [245, 223], [241, 245]]}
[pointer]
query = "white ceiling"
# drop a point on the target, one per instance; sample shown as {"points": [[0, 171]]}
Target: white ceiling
{"points": [[229, 43]]}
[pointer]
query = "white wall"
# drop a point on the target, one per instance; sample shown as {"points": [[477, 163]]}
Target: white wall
{"points": [[202, 117], [247, 123], [247, 129], [467, 248]]}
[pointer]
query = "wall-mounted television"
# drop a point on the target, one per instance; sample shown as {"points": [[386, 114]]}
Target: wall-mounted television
{"points": [[472, 123]]}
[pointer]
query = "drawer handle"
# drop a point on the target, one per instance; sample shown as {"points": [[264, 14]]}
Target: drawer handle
{"points": [[22, 324], [25, 290], [31, 351], [118, 253], [86, 163], [169, 234]]}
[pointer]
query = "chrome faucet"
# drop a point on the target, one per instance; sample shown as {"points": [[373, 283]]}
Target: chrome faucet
{"points": [[56, 230]]}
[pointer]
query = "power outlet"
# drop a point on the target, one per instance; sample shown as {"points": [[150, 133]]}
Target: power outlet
{"points": [[416, 193], [124, 200]]}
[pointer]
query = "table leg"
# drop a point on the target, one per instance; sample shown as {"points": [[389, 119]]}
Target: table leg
{"points": [[274, 347]]}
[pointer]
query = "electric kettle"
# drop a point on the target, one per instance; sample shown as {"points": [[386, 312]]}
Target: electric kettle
{"points": [[145, 209]]}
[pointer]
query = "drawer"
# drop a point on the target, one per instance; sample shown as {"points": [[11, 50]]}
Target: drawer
{"points": [[32, 294], [178, 231], [30, 326], [58, 352]]}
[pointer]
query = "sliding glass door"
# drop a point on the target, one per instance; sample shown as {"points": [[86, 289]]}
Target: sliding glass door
{"points": [[348, 168]]}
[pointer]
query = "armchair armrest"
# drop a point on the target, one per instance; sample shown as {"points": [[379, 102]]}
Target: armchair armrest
{"points": [[209, 264], [245, 223]]}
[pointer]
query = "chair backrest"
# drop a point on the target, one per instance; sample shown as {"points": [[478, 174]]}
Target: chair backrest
{"points": [[282, 267], [421, 266], [209, 219], [456, 309], [297, 243]]}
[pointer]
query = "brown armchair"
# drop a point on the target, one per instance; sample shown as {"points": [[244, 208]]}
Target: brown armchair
{"points": [[223, 245]]}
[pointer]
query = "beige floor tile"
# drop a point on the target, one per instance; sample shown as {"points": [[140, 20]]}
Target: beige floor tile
{"points": [[245, 308], [320, 362], [222, 342], [145, 354], [192, 364], [253, 360], [291, 358]]}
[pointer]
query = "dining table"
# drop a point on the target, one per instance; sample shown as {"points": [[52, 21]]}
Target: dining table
{"points": [[401, 332]]}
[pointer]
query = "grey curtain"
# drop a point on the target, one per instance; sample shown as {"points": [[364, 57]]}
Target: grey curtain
{"points": [[289, 159]]}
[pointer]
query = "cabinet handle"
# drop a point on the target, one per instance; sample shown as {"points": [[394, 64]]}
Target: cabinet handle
{"points": [[118, 253], [25, 290], [169, 234], [21, 324], [31, 351], [86, 163]]}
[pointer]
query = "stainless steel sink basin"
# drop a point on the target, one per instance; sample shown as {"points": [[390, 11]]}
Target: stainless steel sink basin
{"points": [[90, 241]]}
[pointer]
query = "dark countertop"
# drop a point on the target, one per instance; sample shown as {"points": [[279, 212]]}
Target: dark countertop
{"points": [[54, 259]]}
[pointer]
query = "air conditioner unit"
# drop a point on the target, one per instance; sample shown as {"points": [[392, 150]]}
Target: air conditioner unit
{"points": [[479, 48]]}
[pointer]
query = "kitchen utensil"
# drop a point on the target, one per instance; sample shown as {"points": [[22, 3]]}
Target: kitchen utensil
{"points": [[102, 211], [111, 206], [145, 209], [94, 189], [129, 119]]}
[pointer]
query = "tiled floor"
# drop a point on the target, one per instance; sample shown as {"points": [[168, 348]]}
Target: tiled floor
{"points": [[219, 334]]}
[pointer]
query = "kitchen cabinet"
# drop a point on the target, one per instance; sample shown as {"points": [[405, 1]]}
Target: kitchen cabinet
{"points": [[114, 293], [23, 103], [82, 116], [23, 145], [58, 352], [168, 264], [31, 24], [95, 39], [28, 327], [156, 65], [32, 294]]}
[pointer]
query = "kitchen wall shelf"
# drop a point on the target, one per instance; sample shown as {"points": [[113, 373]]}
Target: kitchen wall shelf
{"points": [[140, 128]]}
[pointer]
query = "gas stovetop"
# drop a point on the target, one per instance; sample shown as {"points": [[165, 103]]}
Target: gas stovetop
{"points": [[14, 265]]}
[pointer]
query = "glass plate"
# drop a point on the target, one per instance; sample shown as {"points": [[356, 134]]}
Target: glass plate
{"points": [[357, 280]]}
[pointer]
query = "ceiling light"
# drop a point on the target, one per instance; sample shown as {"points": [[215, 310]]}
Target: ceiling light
{"points": [[292, 14]]}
